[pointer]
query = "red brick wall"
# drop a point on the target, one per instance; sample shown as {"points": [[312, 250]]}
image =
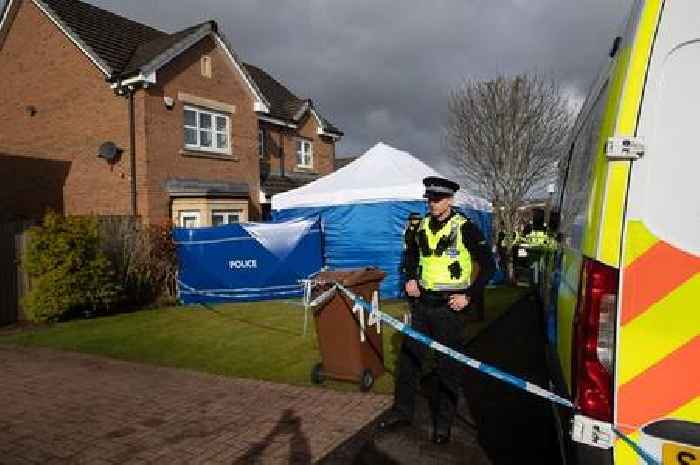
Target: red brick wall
{"points": [[323, 147], [76, 111], [164, 135], [38, 183], [275, 145]]}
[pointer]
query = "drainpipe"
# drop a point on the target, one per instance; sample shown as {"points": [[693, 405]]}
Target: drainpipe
{"points": [[132, 150], [282, 153]]}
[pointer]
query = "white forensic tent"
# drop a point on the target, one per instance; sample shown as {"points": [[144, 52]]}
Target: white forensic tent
{"points": [[364, 207]]}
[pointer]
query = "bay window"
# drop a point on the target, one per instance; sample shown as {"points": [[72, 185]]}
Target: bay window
{"points": [[220, 217], [189, 219]]}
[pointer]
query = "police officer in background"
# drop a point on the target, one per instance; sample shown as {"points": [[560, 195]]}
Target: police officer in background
{"points": [[439, 276]]}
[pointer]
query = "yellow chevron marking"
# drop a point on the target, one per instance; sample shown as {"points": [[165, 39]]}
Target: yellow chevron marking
{"points": [[624, 455], [638, 241], [658, 332], [689, 412]]}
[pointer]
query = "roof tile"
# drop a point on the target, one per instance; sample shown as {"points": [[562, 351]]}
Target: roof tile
{"points": [[125, 46], [112, 37], [284, 104]]}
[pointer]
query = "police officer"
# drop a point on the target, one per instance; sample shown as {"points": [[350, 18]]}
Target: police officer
{"points": [[536, 238], [438, 265]]}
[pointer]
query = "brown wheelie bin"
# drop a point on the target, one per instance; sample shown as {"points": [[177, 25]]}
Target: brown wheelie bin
{"points": [[343, 355]]}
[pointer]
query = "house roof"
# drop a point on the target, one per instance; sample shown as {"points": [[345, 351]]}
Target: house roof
{"points": [[275, 184], [120, 47], [343, 162], [111, 37], [123, 48], [284, 105], [147, 52], [184, 187], [327, 125]]}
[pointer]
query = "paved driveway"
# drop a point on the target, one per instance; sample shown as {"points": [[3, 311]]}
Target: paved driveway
{"points": [[58, 407], [497, 425]]}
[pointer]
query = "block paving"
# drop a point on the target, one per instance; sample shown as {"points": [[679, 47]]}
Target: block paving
{"points": [[69, 408]]}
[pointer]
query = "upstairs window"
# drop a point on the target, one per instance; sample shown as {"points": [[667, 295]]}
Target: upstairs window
{"points": [[305, 154], [207, 130]]}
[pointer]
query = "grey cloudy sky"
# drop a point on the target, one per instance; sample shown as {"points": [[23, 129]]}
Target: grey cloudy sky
{"points": [[382, 70]]}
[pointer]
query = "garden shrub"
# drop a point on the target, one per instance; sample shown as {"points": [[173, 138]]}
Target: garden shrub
{"points": [[144, 259], [68, 270]]}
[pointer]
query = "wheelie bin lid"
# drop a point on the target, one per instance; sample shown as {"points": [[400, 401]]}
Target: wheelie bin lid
{"points": [[350, 277]]}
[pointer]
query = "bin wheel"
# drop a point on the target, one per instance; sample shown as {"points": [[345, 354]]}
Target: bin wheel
{"points": [[366, 381], [317, 376]]}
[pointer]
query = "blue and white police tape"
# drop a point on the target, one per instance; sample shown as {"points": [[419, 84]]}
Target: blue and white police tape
{"points": [[473, 363], [477, 365]]}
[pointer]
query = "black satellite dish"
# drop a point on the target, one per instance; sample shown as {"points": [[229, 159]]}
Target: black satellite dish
{"points": [[109, 151]]}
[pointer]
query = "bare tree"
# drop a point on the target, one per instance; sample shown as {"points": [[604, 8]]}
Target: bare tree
{"points": [[505, 137]]}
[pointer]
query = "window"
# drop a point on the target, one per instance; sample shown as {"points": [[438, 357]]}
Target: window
{"points": [[201, 212], [206, 130], [206, 66], [189, 219], [305, 154], [261, 143], [219, 217], [576, 193]]}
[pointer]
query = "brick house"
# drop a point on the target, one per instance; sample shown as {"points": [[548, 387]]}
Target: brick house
{"points": [[136, 120]]}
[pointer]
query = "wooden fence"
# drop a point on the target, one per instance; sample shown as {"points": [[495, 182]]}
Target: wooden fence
{"points": [[13, 281]]}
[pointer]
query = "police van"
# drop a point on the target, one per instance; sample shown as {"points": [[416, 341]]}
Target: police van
{"points": [[622, 300]]}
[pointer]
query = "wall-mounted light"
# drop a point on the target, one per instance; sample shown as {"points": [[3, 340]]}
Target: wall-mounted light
{"points": [[169, 102]]}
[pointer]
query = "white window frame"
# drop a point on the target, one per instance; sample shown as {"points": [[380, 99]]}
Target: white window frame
{"points": [[227, 213], [195, 214], [306, 157], [214, 132]]}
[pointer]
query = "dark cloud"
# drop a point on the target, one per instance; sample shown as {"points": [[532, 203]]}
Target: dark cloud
{"points": [[382, 70]]}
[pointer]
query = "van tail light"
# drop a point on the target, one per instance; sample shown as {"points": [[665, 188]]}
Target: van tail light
{"points": [[594, 340]]}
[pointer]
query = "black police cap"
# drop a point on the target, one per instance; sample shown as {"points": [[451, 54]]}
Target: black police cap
{"points": [[439, 187]]}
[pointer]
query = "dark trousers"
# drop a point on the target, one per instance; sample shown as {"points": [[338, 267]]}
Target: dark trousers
{"points": [[435, 319], [475, 309]]}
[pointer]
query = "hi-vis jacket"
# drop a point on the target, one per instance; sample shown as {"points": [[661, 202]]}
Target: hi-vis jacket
{"points": [[446, 265], [442, 256]]}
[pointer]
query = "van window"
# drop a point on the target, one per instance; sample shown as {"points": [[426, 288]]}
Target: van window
{"points": [[577, 190]]}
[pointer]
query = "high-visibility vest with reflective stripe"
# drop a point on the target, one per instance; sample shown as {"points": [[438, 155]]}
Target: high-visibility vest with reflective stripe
{"points": [[438, 272], [537, 238]]}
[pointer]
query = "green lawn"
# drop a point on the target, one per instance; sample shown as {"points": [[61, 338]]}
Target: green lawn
{"points": [[261, 340]]}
